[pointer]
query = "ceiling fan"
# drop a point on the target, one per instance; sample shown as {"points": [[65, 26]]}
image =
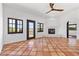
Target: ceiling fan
{"points": [[53, 9]]}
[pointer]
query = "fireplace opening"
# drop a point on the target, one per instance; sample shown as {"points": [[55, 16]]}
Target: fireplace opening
{"points": [[51, 31]]}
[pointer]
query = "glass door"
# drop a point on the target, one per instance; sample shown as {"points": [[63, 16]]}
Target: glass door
{"points": [[30, 29]]}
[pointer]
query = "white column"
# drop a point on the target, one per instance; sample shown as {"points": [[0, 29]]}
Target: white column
{"points": [[1, 27]]}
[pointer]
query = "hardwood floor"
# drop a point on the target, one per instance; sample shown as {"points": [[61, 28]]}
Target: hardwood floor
{"points": [[41, 47]]}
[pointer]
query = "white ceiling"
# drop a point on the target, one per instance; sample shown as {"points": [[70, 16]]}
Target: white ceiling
{"points": [[44, 7]]}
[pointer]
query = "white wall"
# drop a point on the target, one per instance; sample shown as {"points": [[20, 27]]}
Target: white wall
{"points": [[59, 23], [71, 16], [14, 12], [1, 27], [52, 23]]}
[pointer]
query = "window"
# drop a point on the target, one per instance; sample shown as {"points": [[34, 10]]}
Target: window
{"points": [[15, 25], [19, 26], [40, 27]]}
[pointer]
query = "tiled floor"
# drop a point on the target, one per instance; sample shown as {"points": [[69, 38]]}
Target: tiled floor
{"points": [[41, 47]]}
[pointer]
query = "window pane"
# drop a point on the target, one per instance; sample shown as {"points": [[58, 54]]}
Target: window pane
{"points": [[13, 25], [17, 30], [41, 25], [20, 26], [18, 22], [13, 29], [10, 29], [10, 25], [41, 29], [10, 20], [38, 27], [20, 30], [13, 21], [31, 27]]}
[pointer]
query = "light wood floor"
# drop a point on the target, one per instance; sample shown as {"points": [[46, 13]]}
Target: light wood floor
{"points": [[41, 47]]}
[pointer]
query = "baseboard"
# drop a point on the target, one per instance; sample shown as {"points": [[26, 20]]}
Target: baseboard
{"points": [[13, 42]]}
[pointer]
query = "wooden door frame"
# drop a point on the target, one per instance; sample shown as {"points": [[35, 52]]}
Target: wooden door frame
{"points": [[28, 29]]}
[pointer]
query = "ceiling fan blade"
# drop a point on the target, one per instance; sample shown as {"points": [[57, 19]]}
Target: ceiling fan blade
{"points": [[58, 9], [51, 5], [48, 11], [52, 8]]}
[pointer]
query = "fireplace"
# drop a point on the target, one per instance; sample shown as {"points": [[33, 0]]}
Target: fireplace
{"points": [[51, 31]]}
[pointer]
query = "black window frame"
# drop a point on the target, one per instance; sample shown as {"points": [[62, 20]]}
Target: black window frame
{"points": [[41, 28], [15, 26]]}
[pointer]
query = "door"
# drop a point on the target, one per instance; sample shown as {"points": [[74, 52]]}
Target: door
{"points": [[67, 29], [30, 29]]}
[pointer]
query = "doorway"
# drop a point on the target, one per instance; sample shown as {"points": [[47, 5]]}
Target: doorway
{"points": [[71, 30], [30, 29], [67, 29]]}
